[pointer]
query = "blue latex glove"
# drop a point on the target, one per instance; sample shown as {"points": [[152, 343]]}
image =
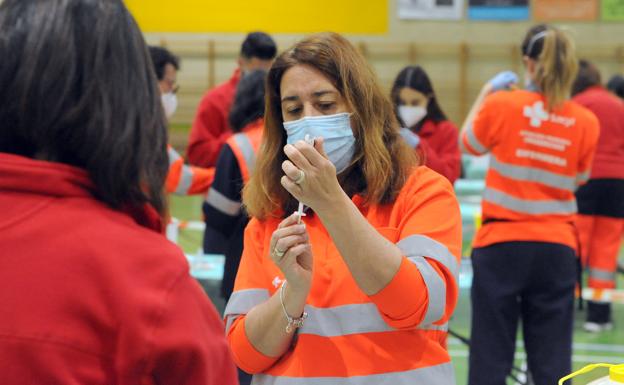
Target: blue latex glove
{"points": [[503, 80], [411, 138]]}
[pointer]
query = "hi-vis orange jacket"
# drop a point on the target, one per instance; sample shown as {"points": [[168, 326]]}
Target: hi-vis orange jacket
{"points": [[184, 179], [396, 336], [538, 159], [225, 194], [245, 146]]}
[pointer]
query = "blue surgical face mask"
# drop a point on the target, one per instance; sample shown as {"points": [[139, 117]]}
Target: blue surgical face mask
{"points": [[339, 142]]}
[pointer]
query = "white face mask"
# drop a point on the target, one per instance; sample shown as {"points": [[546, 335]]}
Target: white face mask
{"points": [[412, 115], [170, 103]]}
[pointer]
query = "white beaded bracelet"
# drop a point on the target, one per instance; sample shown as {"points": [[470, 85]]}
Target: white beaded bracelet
{"points": [[293, 323]]}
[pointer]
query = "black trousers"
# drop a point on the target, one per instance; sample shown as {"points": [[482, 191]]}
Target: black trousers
{"points": [[532, 281]]}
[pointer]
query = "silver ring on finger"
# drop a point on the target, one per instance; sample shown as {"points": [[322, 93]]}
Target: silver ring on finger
{"points": [[278, 253], [301, 177]]}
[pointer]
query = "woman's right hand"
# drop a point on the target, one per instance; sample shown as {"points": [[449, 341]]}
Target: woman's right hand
{"points": [[503, 81], [292, 240]]}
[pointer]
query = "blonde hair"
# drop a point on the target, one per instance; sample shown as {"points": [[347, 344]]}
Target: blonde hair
{"points": [[382, 161], [556, 63]]}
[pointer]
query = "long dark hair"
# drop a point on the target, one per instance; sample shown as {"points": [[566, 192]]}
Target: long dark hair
{"points": [[416, 78], [77, 87], [248, 105]]}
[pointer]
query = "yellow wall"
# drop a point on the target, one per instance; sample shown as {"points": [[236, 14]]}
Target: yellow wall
{"points": [[274, 16]]}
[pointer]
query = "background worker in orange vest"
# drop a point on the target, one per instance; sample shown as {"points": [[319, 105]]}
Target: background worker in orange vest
{"points": [[210, 128], [373, 265], [223, 209], [524, 255], [425, 126], [182, 179], [601, 201]]}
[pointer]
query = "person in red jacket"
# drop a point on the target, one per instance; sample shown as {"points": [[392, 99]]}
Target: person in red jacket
{"points": [[211, 128], [91, 292], [601, 208], [425, 126]]}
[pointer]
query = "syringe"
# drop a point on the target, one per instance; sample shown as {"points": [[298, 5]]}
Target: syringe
{"points": [[300, 212]]}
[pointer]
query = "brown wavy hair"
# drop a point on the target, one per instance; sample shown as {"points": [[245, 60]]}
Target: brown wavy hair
{"points": [[557, 64], [382, 161]]}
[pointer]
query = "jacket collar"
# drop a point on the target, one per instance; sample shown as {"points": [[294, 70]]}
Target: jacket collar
{"points": [[29, 176], [235, 78], [427, 128]]}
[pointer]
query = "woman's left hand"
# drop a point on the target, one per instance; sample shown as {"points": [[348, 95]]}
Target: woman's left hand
{"points": [[309, 176]]}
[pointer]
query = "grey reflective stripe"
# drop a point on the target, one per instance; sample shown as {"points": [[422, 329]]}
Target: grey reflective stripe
{"points": [[223, 203], [422, 246], [173, 155], [247, 149], [443, 328], [229, 320], [602, 275], [417, 248], [186, 180], [442, 374], [534, 207], [242, 301], [532, 174], [436, 290], [583, 177], [350, 319], [462, 146], [344, 320], [474, 142]]}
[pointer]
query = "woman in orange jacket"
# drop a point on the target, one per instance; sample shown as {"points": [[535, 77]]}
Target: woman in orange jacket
{"points": [[541, 146], [360, 288]]}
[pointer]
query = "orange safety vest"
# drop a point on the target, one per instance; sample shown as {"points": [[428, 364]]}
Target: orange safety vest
{"points": [[538, 159], [184, 179], [397, 336], [245, 146]]}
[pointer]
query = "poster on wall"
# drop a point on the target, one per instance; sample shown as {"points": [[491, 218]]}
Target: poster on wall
{"points": [[565, 10], [613, 10], [506, 10], [431, 9]]}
